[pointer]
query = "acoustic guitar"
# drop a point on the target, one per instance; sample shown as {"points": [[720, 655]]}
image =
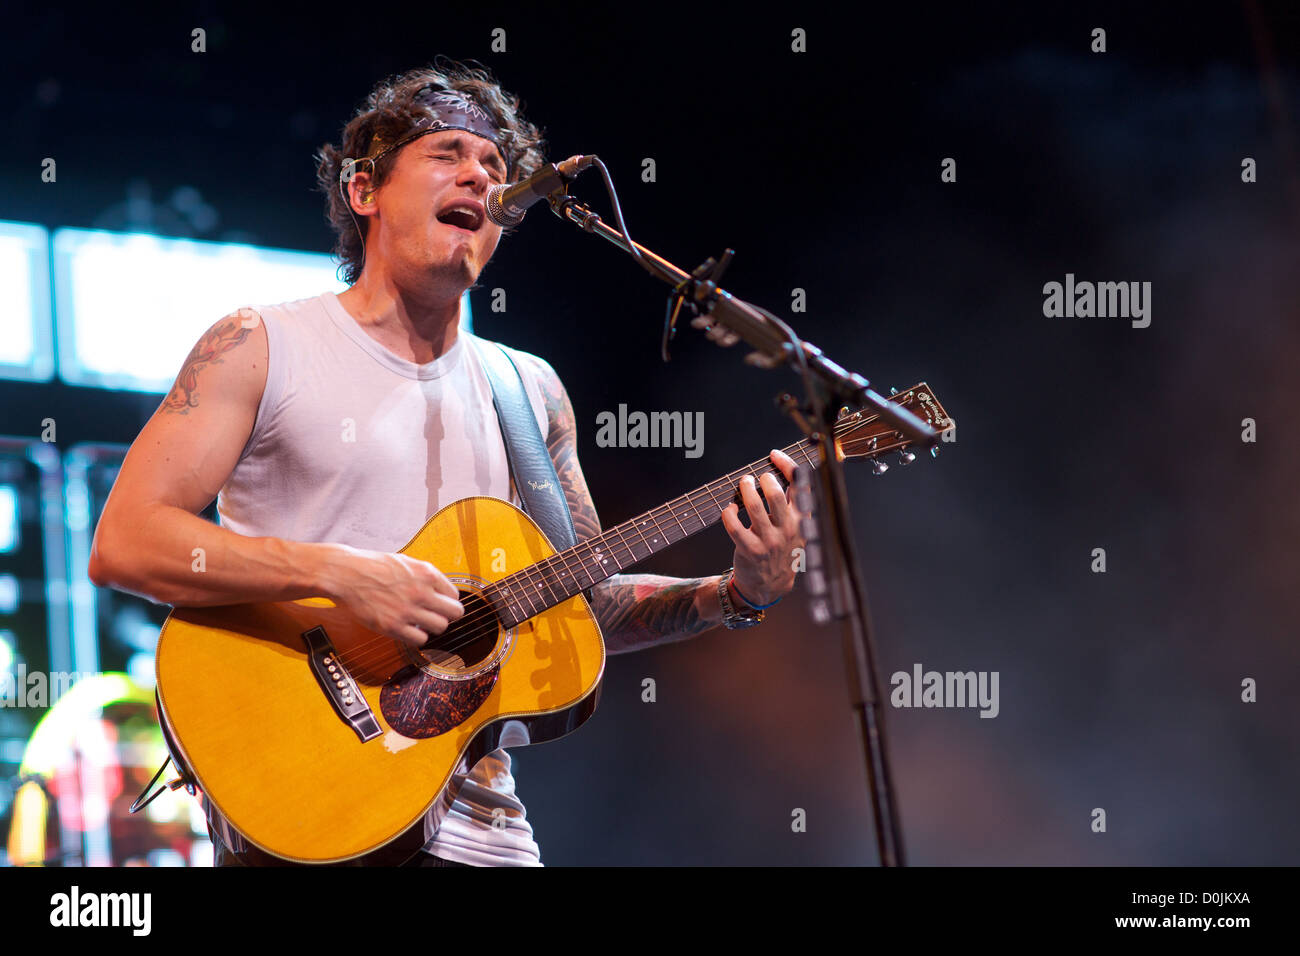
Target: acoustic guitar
{"points": [[323, 742]]}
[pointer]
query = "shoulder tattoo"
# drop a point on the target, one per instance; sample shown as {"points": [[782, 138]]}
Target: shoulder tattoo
{"points": [[227, 334]]}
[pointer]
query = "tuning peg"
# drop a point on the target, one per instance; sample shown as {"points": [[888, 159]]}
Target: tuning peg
{"points": [[906, 457], [878, 467], [844, 411], [892, 390], [934, 452]]}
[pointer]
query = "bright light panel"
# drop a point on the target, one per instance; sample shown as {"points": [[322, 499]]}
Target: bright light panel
{"points": [[130, 306], [26, 341], [8, 518]]}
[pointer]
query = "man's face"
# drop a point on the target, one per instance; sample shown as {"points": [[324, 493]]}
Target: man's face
{"points": [[421, 238]]}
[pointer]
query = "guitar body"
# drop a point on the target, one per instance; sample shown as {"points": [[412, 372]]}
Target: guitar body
{"points": [[312, 772]]}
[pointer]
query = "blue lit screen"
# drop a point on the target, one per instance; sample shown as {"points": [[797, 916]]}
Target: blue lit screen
{"points": [[130, 306], [26, 340]]}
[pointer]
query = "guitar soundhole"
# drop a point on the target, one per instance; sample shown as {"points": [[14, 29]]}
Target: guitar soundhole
{"points": [[468, 640]]}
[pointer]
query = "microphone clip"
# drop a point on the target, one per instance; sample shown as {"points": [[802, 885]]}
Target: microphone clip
{"points": [[701, 283]]}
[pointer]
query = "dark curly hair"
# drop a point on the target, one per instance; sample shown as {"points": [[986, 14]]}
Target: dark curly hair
{"points": [[389, 113]]}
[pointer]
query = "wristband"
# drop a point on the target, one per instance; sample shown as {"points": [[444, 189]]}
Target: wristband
{"points": [[756, 607]]}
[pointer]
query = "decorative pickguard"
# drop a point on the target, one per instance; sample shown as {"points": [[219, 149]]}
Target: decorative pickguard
{"points": [[418, 705]]}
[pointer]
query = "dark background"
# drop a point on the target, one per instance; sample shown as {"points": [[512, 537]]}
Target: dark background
{"points": [[1119, 690]]}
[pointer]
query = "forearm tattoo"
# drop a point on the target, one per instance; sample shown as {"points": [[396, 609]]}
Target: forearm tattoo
{"points": [[641, 610], [634, 610]]}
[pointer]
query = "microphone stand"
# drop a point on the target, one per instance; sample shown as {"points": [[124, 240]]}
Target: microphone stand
{"points": [[728, 320]]}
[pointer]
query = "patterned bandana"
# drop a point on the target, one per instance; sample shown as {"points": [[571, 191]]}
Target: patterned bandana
{"points": [[448, 110]]}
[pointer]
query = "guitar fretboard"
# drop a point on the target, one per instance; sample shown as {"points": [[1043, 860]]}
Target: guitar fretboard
{"points": [[566, 573]]}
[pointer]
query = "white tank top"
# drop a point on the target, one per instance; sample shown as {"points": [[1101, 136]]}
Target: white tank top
{"points": [[355, 445]]}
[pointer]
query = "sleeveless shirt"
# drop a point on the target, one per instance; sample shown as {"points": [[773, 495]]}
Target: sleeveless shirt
{"points": [[355, 445]]}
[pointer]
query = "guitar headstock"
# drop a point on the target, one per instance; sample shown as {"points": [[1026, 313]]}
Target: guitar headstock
{"points": [[863, 435]]}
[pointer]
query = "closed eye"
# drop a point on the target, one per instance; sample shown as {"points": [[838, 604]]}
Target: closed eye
{"points": [[495, 176]]}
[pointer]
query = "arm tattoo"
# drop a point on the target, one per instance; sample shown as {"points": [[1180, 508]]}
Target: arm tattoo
{"points": [[634, 610], [563, 444], [640, 610], [221, 338]]}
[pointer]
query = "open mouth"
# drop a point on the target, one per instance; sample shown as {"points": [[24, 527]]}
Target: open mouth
{"points": [[462, 214]]}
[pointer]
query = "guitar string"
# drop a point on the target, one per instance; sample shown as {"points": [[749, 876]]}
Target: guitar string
{"points": [[516, 598], [488, 616], [802, 449], [487, 622], [463, 637]]}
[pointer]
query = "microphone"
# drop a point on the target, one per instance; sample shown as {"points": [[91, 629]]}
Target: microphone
{"points": [[506, 205]]}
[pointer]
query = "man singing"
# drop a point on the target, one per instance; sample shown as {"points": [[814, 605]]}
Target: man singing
{"points": [[255, 414]]}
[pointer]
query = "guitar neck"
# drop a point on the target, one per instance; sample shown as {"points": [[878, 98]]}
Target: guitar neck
{"points": [[545, 584], [549, 582]]}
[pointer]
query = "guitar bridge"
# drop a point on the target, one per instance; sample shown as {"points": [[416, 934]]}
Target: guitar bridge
{"points": [[338, 685]]}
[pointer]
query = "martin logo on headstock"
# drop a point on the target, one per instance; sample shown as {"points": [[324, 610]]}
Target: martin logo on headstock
{"points": [[863, 435]]}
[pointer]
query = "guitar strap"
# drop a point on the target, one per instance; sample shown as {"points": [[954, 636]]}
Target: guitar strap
{"points": [[530, 461]]}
